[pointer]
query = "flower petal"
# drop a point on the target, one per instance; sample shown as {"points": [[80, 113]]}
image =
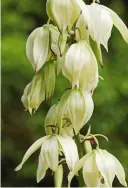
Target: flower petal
{"points": [[42, 167], [69, 149], [61, 106], [77, 167], [118, 23], [29, 46], [76, 109], [90, 171], [106, 166], [24, 98], [50, 152], [81, 29], [50, 119], [41, 47], [49, 78], [31, 150], [89, 106], [84, 9], [120, 172]]}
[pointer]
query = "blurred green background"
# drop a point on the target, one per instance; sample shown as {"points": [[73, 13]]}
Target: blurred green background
{"points": [[20, 129]]}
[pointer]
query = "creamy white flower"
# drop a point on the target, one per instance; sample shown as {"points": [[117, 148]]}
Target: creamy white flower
{"points": [[100, 21], [99, 24], [63, 12], [41, 87], [41, 45], [49, 156], [99, 164], [73, 111], [81, 66]]}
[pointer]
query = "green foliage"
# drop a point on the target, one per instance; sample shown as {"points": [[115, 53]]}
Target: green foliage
{"points": [[20, 129]]}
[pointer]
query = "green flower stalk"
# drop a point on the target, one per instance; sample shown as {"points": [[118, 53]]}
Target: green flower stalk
{"points": [[71, 46]]}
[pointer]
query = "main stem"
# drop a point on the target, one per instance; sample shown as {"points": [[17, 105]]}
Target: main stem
{"points": [[81, 152]]}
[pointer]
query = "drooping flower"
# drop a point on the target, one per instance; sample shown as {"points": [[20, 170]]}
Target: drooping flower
{"points": [[41, 45], [51, 146], [41, 87], [73, 111], [63, 12], [97, 165], [100, 21], [81, 66]]}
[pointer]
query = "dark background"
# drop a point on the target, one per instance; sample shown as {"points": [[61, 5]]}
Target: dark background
{"points": [[20, 129]]}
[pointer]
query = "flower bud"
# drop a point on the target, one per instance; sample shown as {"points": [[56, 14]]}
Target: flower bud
{"points": [[63, 13], [37, 92], [81, 67], [41, 87], [58, 176]]}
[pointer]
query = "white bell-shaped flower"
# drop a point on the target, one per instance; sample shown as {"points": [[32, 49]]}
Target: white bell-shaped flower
{"points": [[81, 66], [51, 146], [74, 109], [79, 108], [99, 164], [100, 21], [99, 24], [63, 12], [42, 45]]}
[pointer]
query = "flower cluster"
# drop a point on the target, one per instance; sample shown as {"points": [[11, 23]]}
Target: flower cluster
{"points": [[71, 45]]}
